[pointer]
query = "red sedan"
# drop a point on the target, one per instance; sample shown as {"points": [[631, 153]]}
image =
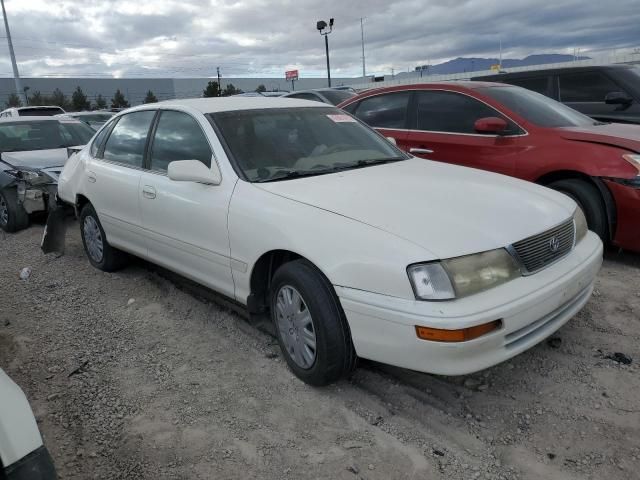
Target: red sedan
{"points": [[517, 132]]}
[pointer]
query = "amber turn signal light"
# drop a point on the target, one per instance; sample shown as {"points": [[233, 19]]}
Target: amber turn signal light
{"points": [[461, 335]]}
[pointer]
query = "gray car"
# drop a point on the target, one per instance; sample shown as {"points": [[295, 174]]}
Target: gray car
{"points": [[33, 151], [329, 96]]}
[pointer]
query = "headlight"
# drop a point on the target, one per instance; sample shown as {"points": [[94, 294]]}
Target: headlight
{"points": [[462, 276], [580, 222], [633, 160]]}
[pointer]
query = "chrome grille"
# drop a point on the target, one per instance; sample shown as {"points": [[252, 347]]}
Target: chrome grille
{"points": [[540, 250]]}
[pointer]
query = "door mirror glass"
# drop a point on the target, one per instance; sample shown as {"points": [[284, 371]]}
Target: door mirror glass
{"points": [[493, 125], [617, 98], [194, 171]]}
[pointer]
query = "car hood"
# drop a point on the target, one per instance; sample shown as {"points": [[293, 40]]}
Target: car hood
{"points": [[55, 157], [614, 134], [448, 210]]}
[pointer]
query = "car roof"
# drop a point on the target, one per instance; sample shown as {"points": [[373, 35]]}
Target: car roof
{"points": [[79, 114], [30, 118], [228, 104], [468, 84], [553, 71]]}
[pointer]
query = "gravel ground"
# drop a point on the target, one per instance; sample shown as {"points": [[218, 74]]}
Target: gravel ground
{"points": [[132, 376]]}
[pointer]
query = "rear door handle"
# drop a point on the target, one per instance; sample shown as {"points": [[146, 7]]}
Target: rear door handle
{"points": [[149, 192], [91, 177], [420, 150]]}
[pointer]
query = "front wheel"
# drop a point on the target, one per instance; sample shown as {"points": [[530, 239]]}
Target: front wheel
{"points": [[101, 255], [311, 327], [589, 200], [12, 216]]}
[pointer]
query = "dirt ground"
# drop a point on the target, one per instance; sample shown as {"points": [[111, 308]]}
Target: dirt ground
{"points": [[132, 377]]}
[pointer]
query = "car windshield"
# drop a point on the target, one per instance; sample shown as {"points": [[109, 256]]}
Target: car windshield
{"points": [[281, 143], [337, 96], [537, 108], [43, 135]]}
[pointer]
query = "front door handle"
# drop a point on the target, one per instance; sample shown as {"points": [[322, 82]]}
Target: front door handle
{"points": [[149, 192], [423, 151], [91, 177]]}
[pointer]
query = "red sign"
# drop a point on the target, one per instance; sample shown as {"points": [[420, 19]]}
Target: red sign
{"points": [[291, 75]]}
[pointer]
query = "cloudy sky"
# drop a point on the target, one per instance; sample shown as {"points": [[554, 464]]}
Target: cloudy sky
{"points": [[190, 38]]}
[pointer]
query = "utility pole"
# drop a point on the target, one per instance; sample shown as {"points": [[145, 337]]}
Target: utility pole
{"points": [[219, 84], [500, 60], [16, 75], [364, 72]]}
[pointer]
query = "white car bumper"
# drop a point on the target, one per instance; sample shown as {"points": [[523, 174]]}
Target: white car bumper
{"points": [[531, 308]]}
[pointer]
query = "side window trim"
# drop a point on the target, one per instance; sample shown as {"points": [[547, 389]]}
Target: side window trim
{"points": [[146, 158], [522, 131]]}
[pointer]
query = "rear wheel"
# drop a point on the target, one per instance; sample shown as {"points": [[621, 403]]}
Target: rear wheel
{"points": [[101, 255], [310, 325], [589, 200], [12, 216]]}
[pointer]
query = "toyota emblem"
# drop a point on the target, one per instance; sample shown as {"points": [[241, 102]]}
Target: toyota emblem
{"points": [[554, 244]]}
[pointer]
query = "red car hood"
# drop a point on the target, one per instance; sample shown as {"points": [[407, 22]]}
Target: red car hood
{"points": [[615, 134]]}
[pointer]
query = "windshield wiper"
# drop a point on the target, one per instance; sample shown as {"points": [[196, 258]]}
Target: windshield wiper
{"points": [[288, 174], [361, 164]]}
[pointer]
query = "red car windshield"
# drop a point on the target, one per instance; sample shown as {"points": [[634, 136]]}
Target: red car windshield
{"points": [[536, 108]]}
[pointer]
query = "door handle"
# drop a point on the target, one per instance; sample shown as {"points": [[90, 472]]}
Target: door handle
{"points": [[420, 150], [91, 177], [149, 192]]}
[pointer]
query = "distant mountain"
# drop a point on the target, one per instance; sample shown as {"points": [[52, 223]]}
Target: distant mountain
{"points": [[471, 64]]}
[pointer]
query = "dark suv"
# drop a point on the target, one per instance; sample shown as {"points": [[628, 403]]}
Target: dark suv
{"points": [[607, 93]]}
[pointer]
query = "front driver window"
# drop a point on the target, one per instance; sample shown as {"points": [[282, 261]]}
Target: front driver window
{"points": [[442, 111], [128, 138], [178, 137]]}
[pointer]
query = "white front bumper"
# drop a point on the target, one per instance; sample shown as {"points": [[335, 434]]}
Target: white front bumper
{"points": [[531, 308]]}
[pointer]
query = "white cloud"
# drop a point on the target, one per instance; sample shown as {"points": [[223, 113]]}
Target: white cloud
{"points": [[253, 37]]}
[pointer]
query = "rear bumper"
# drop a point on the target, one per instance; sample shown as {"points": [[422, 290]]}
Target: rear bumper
{"points": [[627, 200], [531, 308], [38, 465]]}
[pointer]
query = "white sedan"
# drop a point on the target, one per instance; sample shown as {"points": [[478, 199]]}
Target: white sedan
{"points": [[297, 210]]}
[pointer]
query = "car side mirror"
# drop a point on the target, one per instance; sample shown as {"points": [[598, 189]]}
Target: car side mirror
{"points": [[617, 98], [493, 125], [194, 171], [392, 140]]}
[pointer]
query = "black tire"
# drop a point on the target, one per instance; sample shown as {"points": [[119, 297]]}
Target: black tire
{"points": [[335, 356], [112, 259], [589, 200], [18, 219]]}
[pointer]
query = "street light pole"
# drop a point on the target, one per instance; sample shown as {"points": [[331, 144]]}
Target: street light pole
{"points": [[322, 25], [16, 75], [326, 47]]}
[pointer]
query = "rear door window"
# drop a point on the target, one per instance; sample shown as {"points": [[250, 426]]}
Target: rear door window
{"points": [[385, 111], [585, 87], [128, 139]]}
